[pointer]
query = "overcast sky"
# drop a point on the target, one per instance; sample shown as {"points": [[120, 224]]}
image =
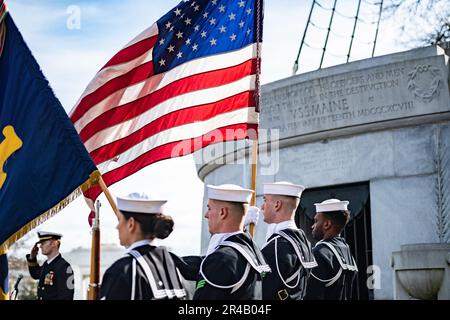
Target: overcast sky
{"points": [[70, 57]]}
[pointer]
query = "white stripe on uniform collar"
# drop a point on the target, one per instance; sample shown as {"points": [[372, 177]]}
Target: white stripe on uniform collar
{"points": [[275, 227], [139, 244], [217, 239]]}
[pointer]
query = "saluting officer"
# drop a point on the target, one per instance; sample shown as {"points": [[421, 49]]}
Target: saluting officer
{"points": [[146, 271], [287, 250], [55, 275], [233, 263], [333, 278]]}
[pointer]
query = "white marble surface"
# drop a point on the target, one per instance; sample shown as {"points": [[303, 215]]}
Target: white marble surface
{"points": [[403, 212]]}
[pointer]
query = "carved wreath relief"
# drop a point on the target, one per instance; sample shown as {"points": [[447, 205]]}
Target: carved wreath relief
{"points": [[424, 81]]}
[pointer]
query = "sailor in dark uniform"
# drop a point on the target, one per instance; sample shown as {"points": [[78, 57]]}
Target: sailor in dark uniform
{"points": [[55, 275], [333, 278], [287, 250], [233, 263], [146, 271]]}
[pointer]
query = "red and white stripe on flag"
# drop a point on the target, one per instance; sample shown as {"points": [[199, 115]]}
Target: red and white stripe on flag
{"points": [[131, 116], [3, 11]]}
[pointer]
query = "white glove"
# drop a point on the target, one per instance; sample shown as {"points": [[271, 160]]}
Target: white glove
{"points": [[252, 216]]}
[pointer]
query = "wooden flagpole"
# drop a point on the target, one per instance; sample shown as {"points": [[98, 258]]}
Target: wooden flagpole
{"points": [[254, 157], [253, 182], [108, 195], [94, 285]]}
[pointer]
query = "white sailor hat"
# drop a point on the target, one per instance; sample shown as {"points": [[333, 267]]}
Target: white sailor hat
{"points": [[229, 192], [140, 203], [45, 235], [331, 205], [284, 188]]}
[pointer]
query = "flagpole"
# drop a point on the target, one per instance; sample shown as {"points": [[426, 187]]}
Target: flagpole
{"points": [[253, 181], [259, 9], [108, 195], [94, 285]]}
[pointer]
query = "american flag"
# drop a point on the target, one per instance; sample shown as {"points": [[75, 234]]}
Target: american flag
{"points": [[192, 73], [3, 11]]}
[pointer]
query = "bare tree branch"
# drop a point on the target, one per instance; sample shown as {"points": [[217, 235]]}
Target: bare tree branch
{"points": [[423, 22]]}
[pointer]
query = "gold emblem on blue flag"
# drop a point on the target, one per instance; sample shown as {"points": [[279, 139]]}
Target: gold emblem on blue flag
{"points": [[10, 144]]}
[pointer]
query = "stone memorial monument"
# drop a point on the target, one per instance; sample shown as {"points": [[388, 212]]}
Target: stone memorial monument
{"points": [[383, 123]]}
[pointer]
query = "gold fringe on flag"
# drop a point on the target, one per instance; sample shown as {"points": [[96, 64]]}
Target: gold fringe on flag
{"points": [[3, 295], [92, 181]]}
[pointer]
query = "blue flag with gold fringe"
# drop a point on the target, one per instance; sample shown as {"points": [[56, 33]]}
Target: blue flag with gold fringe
{"points": [[43, 163]]}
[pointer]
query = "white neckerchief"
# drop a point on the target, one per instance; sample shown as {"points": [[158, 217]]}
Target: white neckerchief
{"points": [[217, 239], [138, 244], [50, 260], [275, 227]]}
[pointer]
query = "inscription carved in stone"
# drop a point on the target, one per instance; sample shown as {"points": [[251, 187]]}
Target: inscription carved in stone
{"points": [[386, 92]]}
